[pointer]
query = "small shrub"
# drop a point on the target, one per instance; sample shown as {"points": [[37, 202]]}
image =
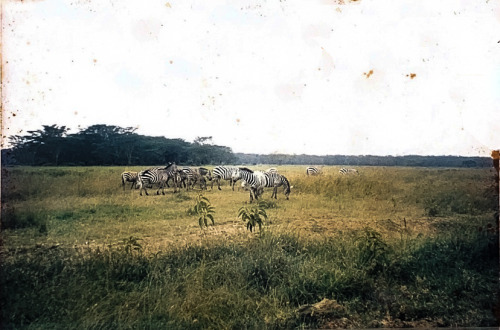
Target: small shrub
{"points": [[204, 210], [253, 216], [268, 204], [132, 244], [372, 249]]}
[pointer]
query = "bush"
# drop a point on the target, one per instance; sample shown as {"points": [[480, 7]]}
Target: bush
{"points": [[13, 219]]}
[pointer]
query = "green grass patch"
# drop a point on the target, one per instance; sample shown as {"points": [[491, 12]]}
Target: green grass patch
{"points": [[390, 247], [261, 283]]}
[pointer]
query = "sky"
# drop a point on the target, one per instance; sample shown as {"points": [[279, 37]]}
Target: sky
{"points": [[366, 77]]}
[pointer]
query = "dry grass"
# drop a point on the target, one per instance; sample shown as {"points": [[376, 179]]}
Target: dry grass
{"points": [[392, 246], [88, 206]]}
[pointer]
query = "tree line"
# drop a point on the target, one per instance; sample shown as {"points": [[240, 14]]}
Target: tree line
{"points": [[366, 160], [109, 145], [52, 145]]}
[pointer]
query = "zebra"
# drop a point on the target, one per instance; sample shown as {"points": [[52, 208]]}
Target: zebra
{"points": [[181, 177], [345, 171], [275, 180], [129, 177], [272, 170], [194, 175], [311, 170], [252, 181], [257, 181], [157, 175], [225, 173]]}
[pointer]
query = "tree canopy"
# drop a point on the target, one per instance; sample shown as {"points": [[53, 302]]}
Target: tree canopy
{"points": [[110, 145], [113, 145]]}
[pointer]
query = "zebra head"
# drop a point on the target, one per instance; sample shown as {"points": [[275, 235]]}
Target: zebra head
{"points": [[245, 185], [170, 166], [236, 175], [288, 187], [207, 174]]}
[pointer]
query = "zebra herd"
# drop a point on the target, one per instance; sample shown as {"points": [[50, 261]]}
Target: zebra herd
{"points": [[188, 177], [316, 171]]}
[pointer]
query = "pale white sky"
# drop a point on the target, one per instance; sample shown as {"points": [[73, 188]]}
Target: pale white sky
{"points": [[317, 77]]}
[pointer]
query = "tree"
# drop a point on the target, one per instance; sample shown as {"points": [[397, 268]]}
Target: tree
{"points": [[41, 146], [104, 144], [202, 140]]}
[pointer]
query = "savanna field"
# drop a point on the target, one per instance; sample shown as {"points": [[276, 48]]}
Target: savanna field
{"points": [[390, 247]]}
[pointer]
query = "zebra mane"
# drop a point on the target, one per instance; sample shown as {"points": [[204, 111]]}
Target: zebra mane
{"points": [[168, 166], [246, 169]]}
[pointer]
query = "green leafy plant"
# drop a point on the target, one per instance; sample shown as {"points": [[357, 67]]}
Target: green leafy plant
{"points": [[132, 244], [372, 247], [253, 216], [204, 210]]}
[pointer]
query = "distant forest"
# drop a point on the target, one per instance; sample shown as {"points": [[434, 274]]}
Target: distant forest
{"points": [[113, 145]]}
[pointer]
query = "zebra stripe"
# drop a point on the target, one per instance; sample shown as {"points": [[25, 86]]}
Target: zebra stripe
{"points": [[345, 171], [312, 170], [275, 180], [252, 181], [257, 181], [129, 177], [225, 173], [194, 175], [158, 175]]}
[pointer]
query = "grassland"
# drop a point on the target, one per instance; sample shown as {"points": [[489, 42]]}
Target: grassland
{"points": [[390, 247]]}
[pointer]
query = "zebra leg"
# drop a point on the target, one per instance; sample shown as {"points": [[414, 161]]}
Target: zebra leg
{"points": [[218, 183], [255, 193], [275, 193]]}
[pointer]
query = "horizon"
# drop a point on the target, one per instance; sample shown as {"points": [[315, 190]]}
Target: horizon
{"points": [[285, 154], [322, 78]]}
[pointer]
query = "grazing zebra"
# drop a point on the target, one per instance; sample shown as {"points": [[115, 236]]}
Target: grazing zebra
{"points": [[252, 181], [225, 173], [271, 170], [194, 175], [275, 180], [157, 175], [311, 170], [257, 181], [129, 177], [206, 173], [345, 171], [181, 177]]}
